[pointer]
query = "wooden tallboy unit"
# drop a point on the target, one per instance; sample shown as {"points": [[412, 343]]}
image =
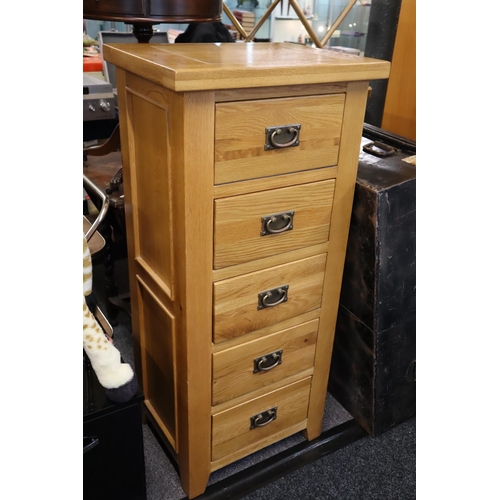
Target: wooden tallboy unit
{"points": [[239, 167]]}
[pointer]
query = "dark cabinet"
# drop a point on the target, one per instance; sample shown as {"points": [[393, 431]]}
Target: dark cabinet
{"points": [[374, 359], [113, 449]]}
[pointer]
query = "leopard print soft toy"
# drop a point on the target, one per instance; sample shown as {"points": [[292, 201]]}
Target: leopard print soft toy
{"points": [[116, 377]]}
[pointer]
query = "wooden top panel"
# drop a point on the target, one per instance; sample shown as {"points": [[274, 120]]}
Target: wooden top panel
{"points": [[210, 66]]}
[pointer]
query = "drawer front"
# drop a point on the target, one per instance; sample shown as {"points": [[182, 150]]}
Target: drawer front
{"points": [[255, 300], [257, 420], [246, 132], [252, 365], [259, 225], [126, 7]]}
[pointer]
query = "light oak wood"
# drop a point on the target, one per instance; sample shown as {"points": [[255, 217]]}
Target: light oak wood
{"points": [[276, 181], [204, 66], [236, 299], [159, 359], [171, 440], [268, 262], [185, 313], [194, 233], [240, 136], [400, 109], [352, 130], [238, 222], [283, 91], [261, 391], [152, 210], [178, 263], [231, 429], [256, 446], [233, 368], [154, 281], [267, 330]]}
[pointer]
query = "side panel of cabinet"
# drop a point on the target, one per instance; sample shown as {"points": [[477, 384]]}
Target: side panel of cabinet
{"points": [[146, 160], [150, 169], [158, 360], [169, 239]]}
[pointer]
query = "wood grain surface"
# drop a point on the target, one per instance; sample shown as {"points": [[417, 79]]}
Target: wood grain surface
{"points": [[236, 299], [206, 66], [233, 368], [231, 429], [240, 132], [238, 222]]}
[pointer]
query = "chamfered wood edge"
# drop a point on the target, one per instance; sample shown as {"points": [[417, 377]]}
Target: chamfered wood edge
{"points": [[234, 77]]}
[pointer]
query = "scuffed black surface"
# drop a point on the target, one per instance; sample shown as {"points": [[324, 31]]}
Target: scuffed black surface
{"points": [[373, 361]]}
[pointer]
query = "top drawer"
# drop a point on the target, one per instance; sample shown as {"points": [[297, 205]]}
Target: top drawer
{"points": [[251, 137]]}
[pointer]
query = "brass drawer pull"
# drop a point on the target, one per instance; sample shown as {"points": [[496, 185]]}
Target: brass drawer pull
{"points": [[264, 298], [264, 418], [289, 133], [260, 364], [269, 223]]}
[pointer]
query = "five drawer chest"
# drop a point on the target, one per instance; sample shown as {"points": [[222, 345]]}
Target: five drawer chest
{"points": [[239, 168]]}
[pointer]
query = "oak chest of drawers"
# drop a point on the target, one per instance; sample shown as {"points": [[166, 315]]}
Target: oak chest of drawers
{"points": [[239, 165]]}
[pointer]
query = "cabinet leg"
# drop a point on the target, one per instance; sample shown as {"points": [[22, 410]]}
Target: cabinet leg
{"points": [[195, 484], [311, 434]]}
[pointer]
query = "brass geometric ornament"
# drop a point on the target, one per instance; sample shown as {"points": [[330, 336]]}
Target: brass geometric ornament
{"points": [[248, 37]]}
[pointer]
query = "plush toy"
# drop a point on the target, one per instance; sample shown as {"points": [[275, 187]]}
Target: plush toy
{"points": [[116, 377]]}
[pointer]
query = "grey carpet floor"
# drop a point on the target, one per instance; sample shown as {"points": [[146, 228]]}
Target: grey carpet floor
{"points": [[369, 469], [381, 468]]}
